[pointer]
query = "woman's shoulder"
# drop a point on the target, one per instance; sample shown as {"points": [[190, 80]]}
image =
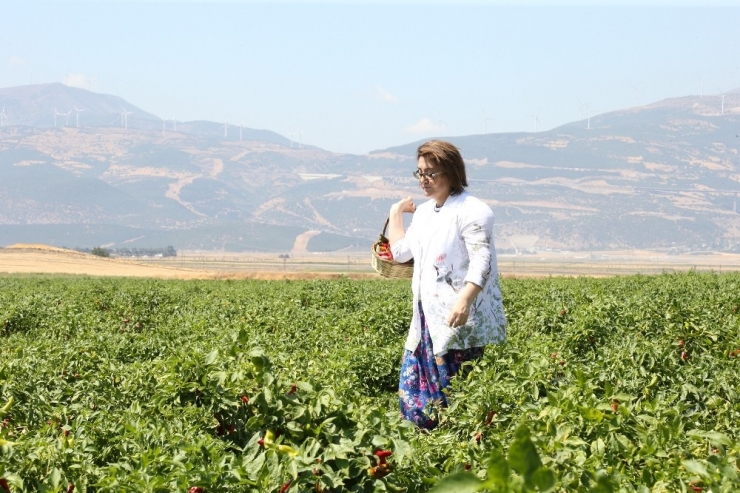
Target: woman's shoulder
{"points": [[471, 203]]}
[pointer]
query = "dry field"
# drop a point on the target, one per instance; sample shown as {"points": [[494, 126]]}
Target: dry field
{"points": [[42, 259]]}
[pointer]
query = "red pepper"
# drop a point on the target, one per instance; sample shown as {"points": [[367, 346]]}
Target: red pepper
{"points": [[386, 255], [286, 486], [382, 454], [4, 485]]}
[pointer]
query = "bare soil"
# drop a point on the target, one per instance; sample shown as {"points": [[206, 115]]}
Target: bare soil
{"points": [[43, 259]]}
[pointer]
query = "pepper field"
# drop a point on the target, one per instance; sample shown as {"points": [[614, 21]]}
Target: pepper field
{"points": [[605, 385]]}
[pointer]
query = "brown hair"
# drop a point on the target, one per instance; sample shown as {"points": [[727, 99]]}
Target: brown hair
{"points": [[446, 156]]}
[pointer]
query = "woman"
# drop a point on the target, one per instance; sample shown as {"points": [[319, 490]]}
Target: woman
{"points": [[457, 297]]}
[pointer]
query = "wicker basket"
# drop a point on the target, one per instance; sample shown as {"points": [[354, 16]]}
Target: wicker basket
{"points": [[391, 268]]}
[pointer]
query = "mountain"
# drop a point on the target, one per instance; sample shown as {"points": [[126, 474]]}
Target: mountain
{"points": [[661, 176]]}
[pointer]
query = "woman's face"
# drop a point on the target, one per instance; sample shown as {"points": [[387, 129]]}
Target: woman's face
{"points": [[437, 188]]}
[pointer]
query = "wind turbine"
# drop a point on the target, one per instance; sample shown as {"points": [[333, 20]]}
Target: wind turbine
{"points": [[637, 91], [225, 126], [536, 117], [485, 121], [163, 124], [78, 110], [56, 113], [440, 122], [721, 93], [174, 123], [588, 112], [2, 116], [241, 126], [124, 118]]}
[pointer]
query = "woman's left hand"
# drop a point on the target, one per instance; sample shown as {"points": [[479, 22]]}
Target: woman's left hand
{"points": [[459, 314], [461, 311]]}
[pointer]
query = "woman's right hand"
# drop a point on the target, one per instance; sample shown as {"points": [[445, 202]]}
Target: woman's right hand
{"points": [[395, 219], [404, 205]]}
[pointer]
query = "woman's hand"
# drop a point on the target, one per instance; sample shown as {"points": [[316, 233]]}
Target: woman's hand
{"points": [[395, 219], [459, 314], [461, 310], [404, 205]]}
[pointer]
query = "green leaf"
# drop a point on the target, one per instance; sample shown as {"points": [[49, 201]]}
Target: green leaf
{"points": [[498, 469], [56, 476], [695, 467], [211, 358], [598, 447], [401, 449], [459, 482], [523, 456], [714, 437], [591, 414], [544, 479]]}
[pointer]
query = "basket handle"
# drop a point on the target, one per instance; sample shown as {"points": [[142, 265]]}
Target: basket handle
{"points": [[385, 226]]}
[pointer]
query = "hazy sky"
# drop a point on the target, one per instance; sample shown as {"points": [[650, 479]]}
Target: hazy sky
{"points": [[356, 76]]}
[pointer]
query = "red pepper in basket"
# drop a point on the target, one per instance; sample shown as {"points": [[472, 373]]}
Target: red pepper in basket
{"points": [[386, 255], [383, 249]]}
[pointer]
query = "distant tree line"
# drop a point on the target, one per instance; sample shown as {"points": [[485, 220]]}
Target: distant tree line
{"points": [[168, 251], [100, 252]]}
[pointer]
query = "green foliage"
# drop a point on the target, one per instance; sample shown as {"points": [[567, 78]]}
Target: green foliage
{"points": [[605, 385], [100, 252]]}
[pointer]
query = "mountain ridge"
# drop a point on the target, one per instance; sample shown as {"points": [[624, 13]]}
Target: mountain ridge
{"points": [[660, 176]]}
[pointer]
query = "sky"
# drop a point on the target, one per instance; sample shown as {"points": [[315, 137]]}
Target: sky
{"points": [[356, 76]]}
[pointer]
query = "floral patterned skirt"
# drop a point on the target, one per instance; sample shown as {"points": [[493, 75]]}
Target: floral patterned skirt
{"points": [[424, 376]]}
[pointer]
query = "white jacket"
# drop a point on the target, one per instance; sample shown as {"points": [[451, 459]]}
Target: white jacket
{"points": [[449, 248]]}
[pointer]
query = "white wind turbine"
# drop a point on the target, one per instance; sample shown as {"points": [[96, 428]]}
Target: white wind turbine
{"points": [[174, 123], [485, 122], [637, 92], [77, 115], [56, 113], [241, 126], [721, 93], [440, 123], [164, 122], [536, 117], [124, 118], [3, 117], [225, 126], [66, 118]]}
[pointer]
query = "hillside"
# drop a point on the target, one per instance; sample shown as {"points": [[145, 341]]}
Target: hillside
{"points": [[661, 176]]}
